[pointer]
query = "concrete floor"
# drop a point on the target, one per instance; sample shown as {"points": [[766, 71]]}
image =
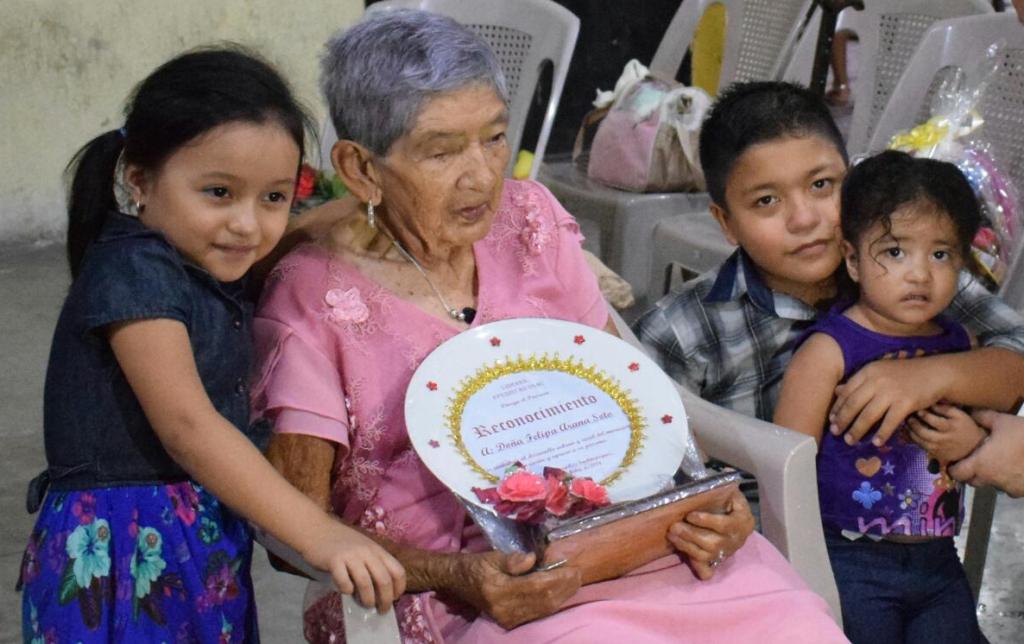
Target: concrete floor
{"points": [[33, 280]]}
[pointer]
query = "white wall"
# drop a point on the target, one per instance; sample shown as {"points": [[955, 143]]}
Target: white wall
{"points": [[66, 67]]}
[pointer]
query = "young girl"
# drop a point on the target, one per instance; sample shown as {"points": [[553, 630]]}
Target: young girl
{"points": [[149, 449], [890, 512]]}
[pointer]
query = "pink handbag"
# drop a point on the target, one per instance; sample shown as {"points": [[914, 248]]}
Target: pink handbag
{"points": [[647, 140]]}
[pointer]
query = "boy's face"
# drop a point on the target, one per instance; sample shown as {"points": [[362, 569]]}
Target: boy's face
{"points": [[782, 208]]}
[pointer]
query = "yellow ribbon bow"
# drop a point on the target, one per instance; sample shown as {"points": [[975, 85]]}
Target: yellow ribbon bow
{"points": [[921, 137]]}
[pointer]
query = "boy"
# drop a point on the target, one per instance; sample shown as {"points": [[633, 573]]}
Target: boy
{"points": [[774, 161]]}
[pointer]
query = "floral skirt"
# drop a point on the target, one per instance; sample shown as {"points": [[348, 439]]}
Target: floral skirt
{"points": [[156, 563]]}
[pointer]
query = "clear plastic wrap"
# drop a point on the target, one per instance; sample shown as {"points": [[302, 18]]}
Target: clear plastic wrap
{"points": [[955, 133], [593, 542]]}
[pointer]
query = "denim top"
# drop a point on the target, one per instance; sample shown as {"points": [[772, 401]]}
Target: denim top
{"points": [[897, 488], [95, 430]]}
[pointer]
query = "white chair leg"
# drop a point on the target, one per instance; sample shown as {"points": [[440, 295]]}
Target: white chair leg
{"points": [[976, 549]]}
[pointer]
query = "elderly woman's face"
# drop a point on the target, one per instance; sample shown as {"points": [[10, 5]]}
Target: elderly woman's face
{"points": [[443, 179]]}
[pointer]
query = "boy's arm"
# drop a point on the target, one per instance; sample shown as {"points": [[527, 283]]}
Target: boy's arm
{"points": [[808, 386], [987, 318], [890, 390], [992, 376]]}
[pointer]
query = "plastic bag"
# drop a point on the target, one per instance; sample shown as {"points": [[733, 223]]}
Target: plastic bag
{"points": [[955, 133], [648, 138]]}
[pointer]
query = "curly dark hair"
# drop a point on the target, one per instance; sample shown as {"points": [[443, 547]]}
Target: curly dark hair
{"points": [[877, 187]]}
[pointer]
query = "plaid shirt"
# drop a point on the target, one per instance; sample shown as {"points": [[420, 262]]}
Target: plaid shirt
{"points": [[728, 337]]}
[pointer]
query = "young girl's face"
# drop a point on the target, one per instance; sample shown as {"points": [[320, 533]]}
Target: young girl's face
{"points": [[223, 199], [907, 274]]}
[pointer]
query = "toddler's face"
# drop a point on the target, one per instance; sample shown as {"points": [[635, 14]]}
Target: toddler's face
{"points": [[223, 199], [907, 274], [783, 209]]}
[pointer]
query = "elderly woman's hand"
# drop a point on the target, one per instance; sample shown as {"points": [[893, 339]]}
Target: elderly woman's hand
{"points": [[707, 538], [501, 586]]}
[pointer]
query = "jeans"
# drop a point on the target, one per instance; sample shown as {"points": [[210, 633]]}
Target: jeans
{"points": [[900, 592]]}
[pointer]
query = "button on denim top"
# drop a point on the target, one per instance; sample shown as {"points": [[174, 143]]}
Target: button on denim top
{"points": [[96, 432]]}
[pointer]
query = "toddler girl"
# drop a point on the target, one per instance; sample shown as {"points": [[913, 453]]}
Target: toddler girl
{"points": [[146, 411], [890, 512]]}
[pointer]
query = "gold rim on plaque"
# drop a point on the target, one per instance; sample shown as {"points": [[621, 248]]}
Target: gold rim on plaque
{"points": [[487, 374]]}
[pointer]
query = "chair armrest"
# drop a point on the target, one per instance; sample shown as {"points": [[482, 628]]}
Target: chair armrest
{"points": [[784, 463], [362, 625]]}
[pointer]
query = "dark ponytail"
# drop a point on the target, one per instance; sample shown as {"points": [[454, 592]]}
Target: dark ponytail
{"points": [[180, 101], [91, 193]]}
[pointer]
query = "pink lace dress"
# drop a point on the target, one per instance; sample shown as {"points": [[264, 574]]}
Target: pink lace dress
{"points": [[337, 352]]}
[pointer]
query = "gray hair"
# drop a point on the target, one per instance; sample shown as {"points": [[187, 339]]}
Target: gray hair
{"points": [[377, 74]]}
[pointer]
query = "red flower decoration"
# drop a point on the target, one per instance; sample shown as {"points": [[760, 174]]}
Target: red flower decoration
{"points": [[985, 238], [633, 366], [666, 419], [495, 342], [431, 385], [433, 443], [522, 485], [526, 497], [579, 339], [591, 492], [306, 183], [558, 500]]}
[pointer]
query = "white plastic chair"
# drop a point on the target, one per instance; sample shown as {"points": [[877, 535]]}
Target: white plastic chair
{"points": [[782, 460], [525, 35], [890, 32], [619, 224], [684, 248], [961, 43], [757, 36], [785, 465]]}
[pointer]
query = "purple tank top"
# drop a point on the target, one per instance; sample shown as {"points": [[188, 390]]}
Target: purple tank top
{"points": [[896, 488]]}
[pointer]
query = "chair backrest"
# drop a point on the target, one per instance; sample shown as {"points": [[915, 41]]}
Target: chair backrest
{"points": [[799, 64], [783, 462], [525, 35], [890, 32], [758, 34]]}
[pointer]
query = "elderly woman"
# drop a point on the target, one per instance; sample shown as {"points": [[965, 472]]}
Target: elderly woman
{"points": [[433, 241]]}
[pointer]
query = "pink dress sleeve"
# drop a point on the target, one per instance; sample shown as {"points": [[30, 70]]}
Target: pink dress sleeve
{"points": [[298, 385], [581, 289]]}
